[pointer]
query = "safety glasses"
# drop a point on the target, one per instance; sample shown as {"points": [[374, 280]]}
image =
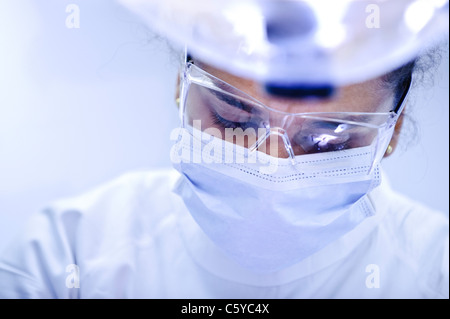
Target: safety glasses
{"points": [[219, 109]]}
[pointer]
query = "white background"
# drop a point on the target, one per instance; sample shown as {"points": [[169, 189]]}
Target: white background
{"points": [[79, 107]]}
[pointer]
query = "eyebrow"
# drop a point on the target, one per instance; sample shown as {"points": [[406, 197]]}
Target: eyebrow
{"points": [[247, 107]]}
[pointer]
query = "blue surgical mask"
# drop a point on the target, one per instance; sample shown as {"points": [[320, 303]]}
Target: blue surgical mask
{"points": [[267, 222]]}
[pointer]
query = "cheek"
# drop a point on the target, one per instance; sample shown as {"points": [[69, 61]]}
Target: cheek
{"points": [[196, 109]]}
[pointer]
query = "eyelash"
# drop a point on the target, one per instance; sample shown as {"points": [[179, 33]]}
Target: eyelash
{"points": [[218, 120], [331, 147]]}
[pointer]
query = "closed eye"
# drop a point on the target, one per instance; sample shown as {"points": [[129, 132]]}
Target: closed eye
{"points": [[234, 102]]}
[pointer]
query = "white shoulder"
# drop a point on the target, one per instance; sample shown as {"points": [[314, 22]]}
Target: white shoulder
{"points": [[130, 186], [97, 223], [418, 234]]}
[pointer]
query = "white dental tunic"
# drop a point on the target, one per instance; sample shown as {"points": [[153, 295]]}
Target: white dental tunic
{"points": [[134, 238]]}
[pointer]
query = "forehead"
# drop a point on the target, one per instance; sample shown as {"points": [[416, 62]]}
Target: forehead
{"points": [[368, 96]]}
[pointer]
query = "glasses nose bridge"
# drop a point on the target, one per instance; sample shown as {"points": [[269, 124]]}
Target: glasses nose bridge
{"points": [[279, 127], [267, 139], [282, 133]]}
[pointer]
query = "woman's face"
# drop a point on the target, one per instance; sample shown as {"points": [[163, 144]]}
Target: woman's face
{"points": [[367, 97]]}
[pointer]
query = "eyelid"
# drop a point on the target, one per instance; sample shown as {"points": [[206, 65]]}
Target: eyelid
{"points": [[235, 102], [226, 111], [333, 128], [224, 91], [324, 125]]}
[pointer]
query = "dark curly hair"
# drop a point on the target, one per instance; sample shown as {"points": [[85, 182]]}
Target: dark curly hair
{"points": [[423, 68]]}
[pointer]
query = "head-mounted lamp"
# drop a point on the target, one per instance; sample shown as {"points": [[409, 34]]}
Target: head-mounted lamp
{"points": [[293, 44]]}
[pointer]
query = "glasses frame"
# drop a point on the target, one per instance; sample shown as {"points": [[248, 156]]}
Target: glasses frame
{"points": [[186, 80]]}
